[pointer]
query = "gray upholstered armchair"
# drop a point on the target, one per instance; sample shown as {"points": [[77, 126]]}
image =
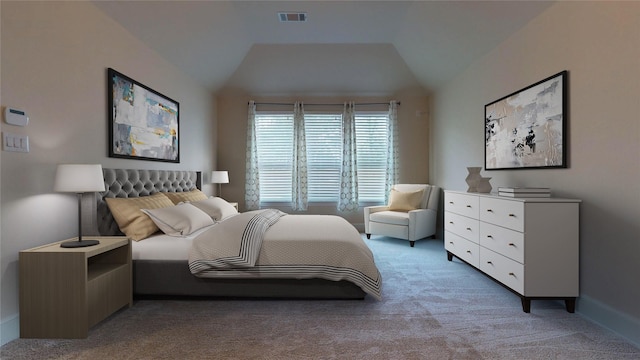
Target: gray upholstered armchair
{"points": [[397, 220]]}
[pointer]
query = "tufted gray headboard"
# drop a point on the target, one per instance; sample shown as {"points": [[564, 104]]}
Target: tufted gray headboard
{"points": [[128, 183]]}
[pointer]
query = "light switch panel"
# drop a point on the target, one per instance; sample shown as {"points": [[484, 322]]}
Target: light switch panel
{"points": [[16, 143]]}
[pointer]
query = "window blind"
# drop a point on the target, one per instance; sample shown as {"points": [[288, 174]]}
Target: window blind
{"points": [[324, 156], [274, 138], [371, 145]]}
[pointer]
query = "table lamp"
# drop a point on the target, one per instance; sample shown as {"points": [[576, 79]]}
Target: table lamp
{"points": [[79, 179], [219, 177]]}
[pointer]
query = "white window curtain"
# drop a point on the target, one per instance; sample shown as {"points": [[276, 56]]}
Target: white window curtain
{"points": [[299, 184], [348, 201], [252, 178], [392, 150]]}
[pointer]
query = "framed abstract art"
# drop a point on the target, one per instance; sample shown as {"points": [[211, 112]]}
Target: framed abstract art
{"points": [[143, 123], [528, 129]]}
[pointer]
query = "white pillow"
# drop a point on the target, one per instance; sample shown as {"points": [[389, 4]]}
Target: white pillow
{"points": [[217, 208], [179, 220]]}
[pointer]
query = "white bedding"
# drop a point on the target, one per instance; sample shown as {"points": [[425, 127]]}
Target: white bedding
{"points": [[291, 246], [164, 247], [295, 246]]}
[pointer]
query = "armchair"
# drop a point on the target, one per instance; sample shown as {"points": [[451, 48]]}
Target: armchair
{"points": [[410, 225]]}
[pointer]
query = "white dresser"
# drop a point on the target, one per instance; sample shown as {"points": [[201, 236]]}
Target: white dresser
{"points": [[531, 245]]}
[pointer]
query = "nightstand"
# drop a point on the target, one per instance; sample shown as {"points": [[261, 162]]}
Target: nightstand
{"points": [[65, 291]]}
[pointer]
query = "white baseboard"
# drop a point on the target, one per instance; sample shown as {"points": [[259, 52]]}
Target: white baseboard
{"points": [[9, 329], [604, 315]]}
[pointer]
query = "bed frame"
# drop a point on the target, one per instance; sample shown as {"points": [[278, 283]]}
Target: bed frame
{"points": [[157, 278]]}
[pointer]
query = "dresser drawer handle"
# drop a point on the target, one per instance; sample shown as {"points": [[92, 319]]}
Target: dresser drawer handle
{"points": [[489, 210], [451, 202], [451, 222], [468, 206], [468, 251], [512, 215], [512, 244], [512, 274], [469, 229], [489, 262], [490, 237], [451, 242]]}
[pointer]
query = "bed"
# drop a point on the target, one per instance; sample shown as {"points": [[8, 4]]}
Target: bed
{"points": [[161, 264]]}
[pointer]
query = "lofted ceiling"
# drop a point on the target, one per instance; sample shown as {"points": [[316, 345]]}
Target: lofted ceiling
{"points": [[345, 47]]}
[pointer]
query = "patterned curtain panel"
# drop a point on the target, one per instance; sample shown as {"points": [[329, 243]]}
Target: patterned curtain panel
{"points": [[348, 201], [299, 184], [392, 151], [252, 180]]}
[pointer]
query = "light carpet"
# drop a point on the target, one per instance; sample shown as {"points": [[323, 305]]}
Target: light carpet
{"points": [[431, 309]]}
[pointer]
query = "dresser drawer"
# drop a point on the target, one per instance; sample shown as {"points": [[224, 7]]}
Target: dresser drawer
{"points": [[507, 242], [503, 269], [463, 226], [505, 213], [467, 205], [462, 248]]}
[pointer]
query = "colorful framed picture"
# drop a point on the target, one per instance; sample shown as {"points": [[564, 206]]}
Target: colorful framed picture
{"points": [[528, 129], [143, 124]]}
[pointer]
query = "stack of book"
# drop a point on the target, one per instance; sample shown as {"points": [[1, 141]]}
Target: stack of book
{"points": [[524, 192]]}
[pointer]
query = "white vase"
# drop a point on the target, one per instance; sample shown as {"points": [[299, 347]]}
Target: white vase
{"points": [[473, 178]]}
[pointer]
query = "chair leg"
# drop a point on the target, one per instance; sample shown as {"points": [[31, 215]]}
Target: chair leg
{"points": [[412, 243], [368, 236]]}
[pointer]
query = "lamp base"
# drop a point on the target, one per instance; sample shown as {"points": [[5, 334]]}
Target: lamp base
{"points": [[77, 244]]}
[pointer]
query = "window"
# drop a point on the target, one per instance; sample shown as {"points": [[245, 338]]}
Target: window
{"points": [[371, 151], [324, 156], [274, 136]]}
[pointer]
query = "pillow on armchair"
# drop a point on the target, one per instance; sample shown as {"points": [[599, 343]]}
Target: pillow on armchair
{"points": [[405, 201]]}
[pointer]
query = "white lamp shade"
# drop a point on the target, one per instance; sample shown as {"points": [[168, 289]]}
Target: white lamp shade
{"points": [[79, 178], [219, 177]]}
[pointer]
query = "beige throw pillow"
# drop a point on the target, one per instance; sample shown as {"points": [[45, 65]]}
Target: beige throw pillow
{"points": [[185, 196], [405, 201], [135, 224]]}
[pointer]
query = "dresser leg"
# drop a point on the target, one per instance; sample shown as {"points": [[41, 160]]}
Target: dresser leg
{"points": [[570, 304], [411, 243], [526, 304], [368, 236], [449, 256]]}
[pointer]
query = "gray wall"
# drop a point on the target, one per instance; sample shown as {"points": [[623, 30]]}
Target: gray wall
{"points": [[599, 44], [54, 61]]}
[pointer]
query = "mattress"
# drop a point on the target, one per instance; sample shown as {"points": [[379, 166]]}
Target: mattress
{"points": [[164, 247]]}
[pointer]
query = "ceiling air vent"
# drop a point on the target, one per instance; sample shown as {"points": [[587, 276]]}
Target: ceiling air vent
{"points": [[292, 16]]}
